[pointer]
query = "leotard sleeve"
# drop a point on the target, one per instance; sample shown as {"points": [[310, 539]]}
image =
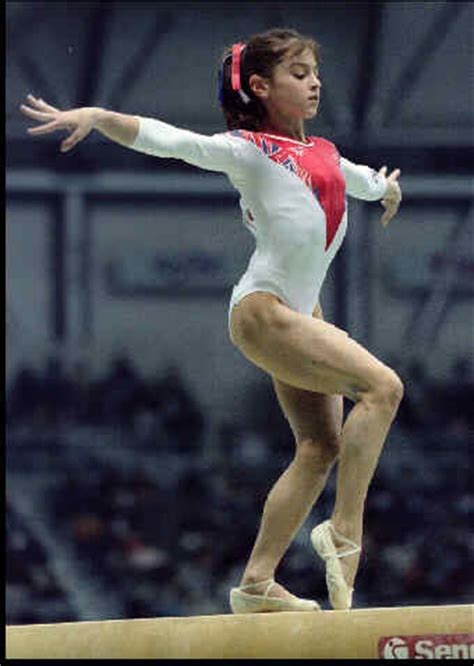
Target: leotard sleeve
{"points": [[219, 152], [362, 182]]}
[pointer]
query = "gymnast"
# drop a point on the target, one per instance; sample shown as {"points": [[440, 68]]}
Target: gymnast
{"points": [[293, 190]]}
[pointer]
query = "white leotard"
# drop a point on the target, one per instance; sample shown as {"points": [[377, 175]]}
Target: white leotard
{"points": [[292, 197]]}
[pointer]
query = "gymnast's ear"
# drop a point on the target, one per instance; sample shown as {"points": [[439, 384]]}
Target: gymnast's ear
{"points": [[259, 85]]}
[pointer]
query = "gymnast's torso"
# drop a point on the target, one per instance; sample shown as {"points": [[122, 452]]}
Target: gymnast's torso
{"points": [[294, 203], [293, 197]]}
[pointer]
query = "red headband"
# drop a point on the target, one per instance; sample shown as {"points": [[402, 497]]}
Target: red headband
{"points": [[236, 53]]}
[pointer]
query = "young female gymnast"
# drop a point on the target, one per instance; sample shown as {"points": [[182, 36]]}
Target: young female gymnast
{"points": [[293, 191]]}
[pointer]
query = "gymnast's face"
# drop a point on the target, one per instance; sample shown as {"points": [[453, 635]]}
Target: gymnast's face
{"points": [[294, 88]]}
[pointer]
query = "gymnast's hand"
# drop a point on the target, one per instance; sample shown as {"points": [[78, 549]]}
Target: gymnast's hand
{"points": [[78, 122], [392, 197]]}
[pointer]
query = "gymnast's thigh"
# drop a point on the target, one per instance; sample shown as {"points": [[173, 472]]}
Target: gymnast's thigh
{"points": [[310, 415]]}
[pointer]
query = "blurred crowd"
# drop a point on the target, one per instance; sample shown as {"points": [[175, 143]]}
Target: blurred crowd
{"points": [[169, 537], [121, 397], [33, 592]]}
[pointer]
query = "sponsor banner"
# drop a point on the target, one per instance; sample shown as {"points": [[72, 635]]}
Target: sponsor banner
{"points": [[429, 646]]}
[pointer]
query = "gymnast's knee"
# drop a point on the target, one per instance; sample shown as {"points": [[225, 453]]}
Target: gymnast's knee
{"points": [[388, 392], [318, 453]]}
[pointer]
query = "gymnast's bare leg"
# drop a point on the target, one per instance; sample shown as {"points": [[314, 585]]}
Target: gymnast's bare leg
{"points": [[311, 355], [316, 423]]}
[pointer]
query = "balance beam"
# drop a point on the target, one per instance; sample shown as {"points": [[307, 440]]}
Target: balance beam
{"points": [[355, 634]]}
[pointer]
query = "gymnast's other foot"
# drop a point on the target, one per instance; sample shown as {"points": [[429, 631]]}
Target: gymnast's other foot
{"points": [[331, 547], [349, 561], [267, 596]]}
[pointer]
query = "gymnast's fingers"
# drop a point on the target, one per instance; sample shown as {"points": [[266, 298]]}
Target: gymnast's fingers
{"points": [[385, 219], [36, 115], [41, 104], [394, 175], [72, 140], [45, 129], [391, 208]]}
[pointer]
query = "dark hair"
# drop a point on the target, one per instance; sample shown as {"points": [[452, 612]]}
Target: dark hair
{"points": [[263, 52]]}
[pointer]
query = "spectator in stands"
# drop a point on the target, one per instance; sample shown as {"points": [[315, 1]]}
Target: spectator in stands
{"points": [[415, 408], [24, 396], [456, 397], [179, 413], [56, 391], [120, 390]]}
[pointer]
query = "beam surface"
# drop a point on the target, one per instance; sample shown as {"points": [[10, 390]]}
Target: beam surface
{"points": [[354, 634]]}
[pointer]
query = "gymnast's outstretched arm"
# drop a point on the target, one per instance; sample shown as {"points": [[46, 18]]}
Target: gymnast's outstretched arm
{"points": [[218, 152]]}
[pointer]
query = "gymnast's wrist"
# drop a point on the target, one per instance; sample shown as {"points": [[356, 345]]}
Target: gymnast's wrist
{"points": [[119, 127]]}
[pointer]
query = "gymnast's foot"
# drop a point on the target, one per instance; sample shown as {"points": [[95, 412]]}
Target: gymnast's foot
{"points": [[334, 548], [260, 587], [267, 596], [349, 563]]}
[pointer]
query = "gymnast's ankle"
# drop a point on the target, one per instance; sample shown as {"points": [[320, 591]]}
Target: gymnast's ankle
{"points": [[346, 529], [255, 577]]}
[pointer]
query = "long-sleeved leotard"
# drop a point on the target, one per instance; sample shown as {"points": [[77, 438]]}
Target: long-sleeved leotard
{"points": [[292, 197]]}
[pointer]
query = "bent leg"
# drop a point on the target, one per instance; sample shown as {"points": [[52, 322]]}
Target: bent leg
{"points": [[305, 352], [315, 421], [363, 436]]}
